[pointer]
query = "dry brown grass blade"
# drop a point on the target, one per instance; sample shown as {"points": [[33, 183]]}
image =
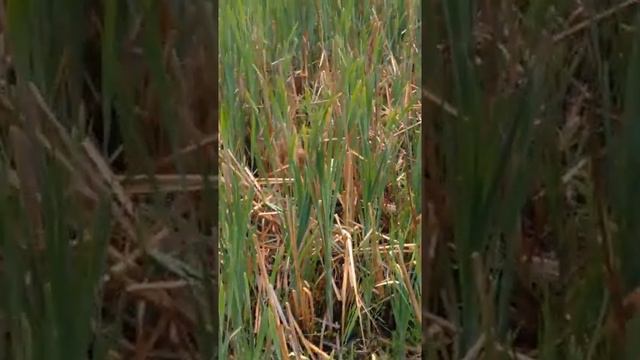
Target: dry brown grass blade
{"points": [[440, 102], [125, 262], [351, 269], [512, 353], [142, 184], [350, 197], [443, 323], [204, 142], [143, 349], [297, 349], [158, 297], [258, 312], [376, 248], [375, 31], [51, 118], [166, 285], [597, 18], [343, 291], [311, 348], [243, 172], [408, 128], [281, 321], [123, 209], [474, 352], [109, 177], [307, 301], [417, 307]]}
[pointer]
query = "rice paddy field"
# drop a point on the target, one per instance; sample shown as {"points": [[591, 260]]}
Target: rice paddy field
{"points": [[117, 190], [320, 195], [251, 179]]}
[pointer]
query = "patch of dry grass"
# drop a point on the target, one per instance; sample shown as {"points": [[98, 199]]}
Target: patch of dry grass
{"points": [[320, 217]]}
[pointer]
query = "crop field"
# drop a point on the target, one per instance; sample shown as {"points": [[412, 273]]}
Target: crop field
{"points": [[320, 179], [108, 179], [249, 179]]}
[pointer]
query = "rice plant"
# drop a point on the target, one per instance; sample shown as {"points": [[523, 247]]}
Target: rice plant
{"points": [[107, 170], [320, 179]]}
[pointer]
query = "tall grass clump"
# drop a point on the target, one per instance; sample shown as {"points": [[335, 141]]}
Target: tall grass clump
{"points": [[531, 124], [320, 173], [107, 170]]}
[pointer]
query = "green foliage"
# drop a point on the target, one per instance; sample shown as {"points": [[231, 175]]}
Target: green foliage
{"points": [[81, 80], [532, 113], [320, 108]]}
